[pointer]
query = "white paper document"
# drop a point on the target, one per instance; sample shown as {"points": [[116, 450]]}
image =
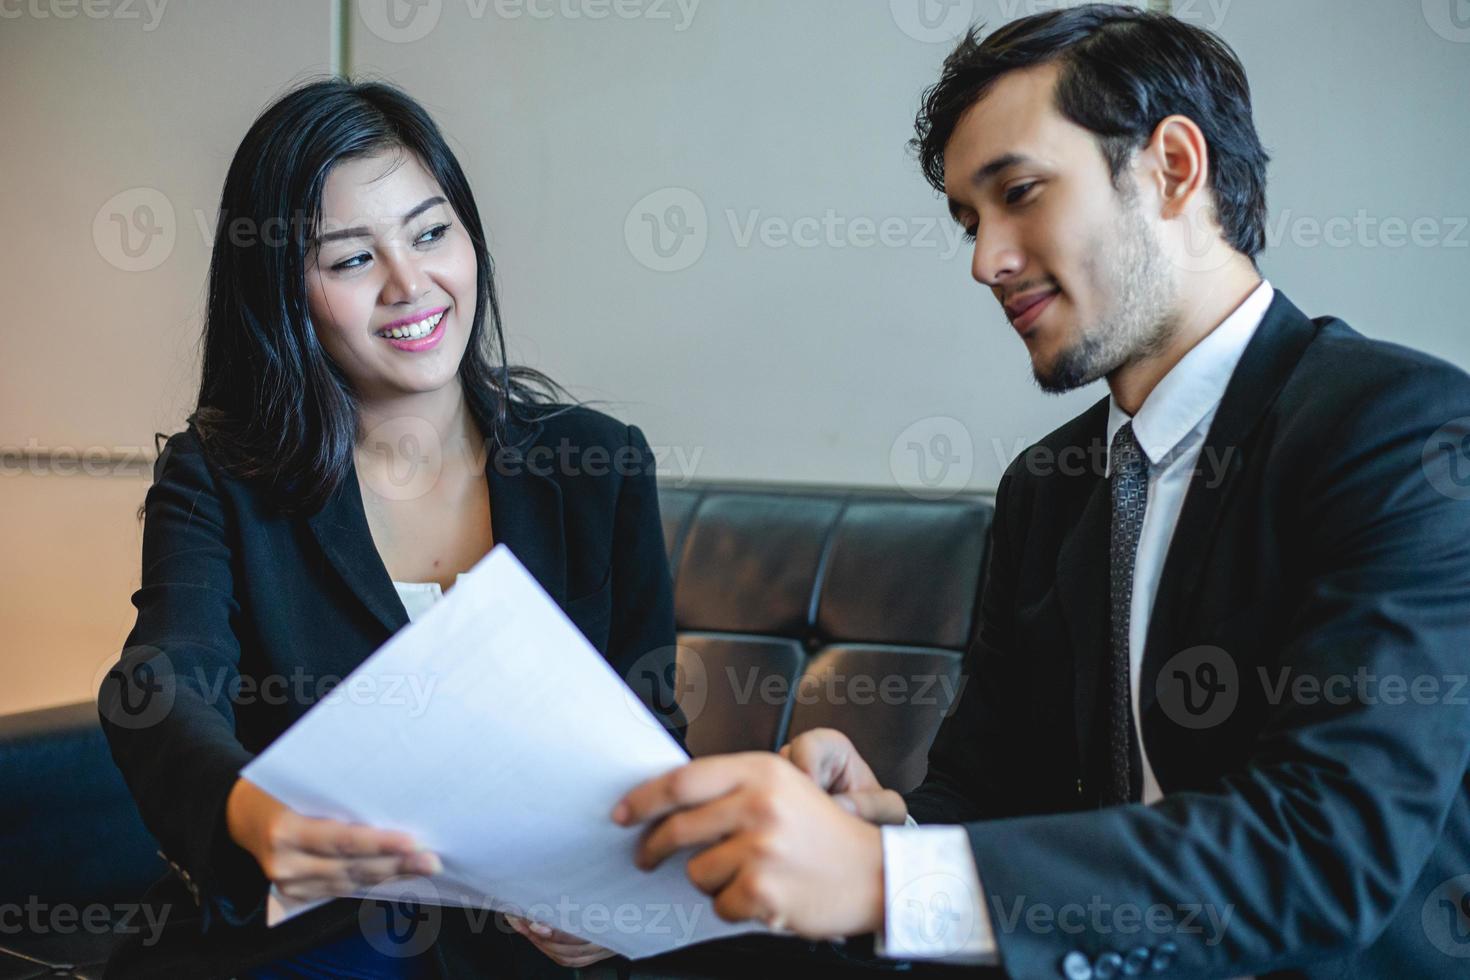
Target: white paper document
{"points": [[492, 731]]}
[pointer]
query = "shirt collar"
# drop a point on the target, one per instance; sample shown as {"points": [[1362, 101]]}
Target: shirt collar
{"points": [[1193, 388]]}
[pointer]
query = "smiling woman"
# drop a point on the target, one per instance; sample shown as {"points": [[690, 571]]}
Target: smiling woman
{"points": [[283, 539]]}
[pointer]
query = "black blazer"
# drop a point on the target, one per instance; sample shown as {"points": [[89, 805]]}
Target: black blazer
{"points": [[232, 590], [1332, 828]]}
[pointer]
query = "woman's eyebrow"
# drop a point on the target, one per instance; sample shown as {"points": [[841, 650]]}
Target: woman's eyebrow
{"points": [[361, 232]]}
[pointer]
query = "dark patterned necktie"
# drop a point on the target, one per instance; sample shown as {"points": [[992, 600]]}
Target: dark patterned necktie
{"points": [[1128, 485]]}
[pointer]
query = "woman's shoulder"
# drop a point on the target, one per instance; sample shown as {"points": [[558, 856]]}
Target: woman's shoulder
{"points": [[581, 425]]}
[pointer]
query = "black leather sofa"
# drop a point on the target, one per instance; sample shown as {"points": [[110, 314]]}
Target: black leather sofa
{"points": [[797, 608]]}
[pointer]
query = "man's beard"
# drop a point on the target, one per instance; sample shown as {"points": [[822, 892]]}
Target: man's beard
{"points": [[1141, 320]]}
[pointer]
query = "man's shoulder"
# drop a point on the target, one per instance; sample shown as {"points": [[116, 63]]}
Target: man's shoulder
{"points": [[1344, 374]]}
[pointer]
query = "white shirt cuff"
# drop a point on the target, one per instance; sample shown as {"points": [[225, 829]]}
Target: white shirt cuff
{"points": [[933, 904]]}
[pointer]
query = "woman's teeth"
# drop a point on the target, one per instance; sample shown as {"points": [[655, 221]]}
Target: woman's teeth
{"points": [[414, 330]]}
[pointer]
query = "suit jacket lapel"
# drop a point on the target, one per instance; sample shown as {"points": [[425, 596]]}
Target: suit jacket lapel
{"points": [[1264, 367], [341, 529], [1082, 581], [525, 515]]}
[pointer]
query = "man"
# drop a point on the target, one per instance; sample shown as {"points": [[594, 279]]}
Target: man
{"points": [[1216, 722]]}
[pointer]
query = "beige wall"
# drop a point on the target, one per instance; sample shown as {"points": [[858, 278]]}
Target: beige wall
{"points": [[752, 355]]}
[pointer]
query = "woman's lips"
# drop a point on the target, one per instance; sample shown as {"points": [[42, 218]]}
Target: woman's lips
{"points": [[1028, 311], [422, 343]]}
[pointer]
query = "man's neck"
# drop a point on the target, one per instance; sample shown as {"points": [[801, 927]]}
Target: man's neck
{"points": [[1209, 303]]}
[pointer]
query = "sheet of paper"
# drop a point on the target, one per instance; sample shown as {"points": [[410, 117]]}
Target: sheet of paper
{"points": [[496, 734]]}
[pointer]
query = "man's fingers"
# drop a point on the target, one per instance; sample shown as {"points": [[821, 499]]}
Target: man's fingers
{"points": [[740, 900], [880, 806], [715, 867], [690, 785], [690, 828]]}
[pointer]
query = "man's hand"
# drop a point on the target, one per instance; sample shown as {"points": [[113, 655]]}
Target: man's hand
{"points": [[562, 947], [775, 846], [828, 756]]}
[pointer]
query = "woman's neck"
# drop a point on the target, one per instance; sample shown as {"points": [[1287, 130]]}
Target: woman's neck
{"points": [[422, 428]]}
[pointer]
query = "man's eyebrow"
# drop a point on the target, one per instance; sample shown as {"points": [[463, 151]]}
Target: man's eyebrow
{"points": [[987, 172], [361, 232]]}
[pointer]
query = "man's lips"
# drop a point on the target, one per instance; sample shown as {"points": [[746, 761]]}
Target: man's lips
{"points": [[1024, 311]]}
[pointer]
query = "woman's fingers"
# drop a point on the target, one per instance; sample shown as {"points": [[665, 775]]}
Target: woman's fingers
{"points": [[333, 838]]}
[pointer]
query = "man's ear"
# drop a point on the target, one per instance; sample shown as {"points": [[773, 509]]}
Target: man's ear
{"points": [[1176, 163]]}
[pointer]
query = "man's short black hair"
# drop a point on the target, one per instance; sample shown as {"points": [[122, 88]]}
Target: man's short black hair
{"points": [[1123, 70]]}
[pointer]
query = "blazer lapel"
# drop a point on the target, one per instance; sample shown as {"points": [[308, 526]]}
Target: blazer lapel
{"points": [[1082, 584], [341, 529], [526, 512], [1264, 367]]}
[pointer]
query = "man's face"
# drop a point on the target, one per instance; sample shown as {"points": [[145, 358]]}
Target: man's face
{"points": [[1076, 264]]}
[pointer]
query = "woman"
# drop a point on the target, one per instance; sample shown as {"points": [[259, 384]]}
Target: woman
{"points": [[358, 443]]}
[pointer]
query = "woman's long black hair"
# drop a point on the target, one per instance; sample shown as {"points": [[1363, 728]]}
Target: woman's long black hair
{"points": [[272, 405]]}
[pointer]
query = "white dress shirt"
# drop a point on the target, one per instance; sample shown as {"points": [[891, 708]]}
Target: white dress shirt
{"points": [[419, 596], [935, 907]]}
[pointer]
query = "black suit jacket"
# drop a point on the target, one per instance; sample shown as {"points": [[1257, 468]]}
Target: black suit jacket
{"points": [[1323, 550], [232, 589]]}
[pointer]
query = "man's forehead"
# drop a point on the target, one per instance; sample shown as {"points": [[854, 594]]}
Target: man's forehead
{"points": [[1017, 117]]}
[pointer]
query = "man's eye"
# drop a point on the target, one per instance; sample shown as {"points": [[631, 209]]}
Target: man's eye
{"points": [[971, 232], [1015, 194]]}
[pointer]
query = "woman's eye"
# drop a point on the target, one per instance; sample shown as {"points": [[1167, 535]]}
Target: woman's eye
{"points": [[971, 232], [1017, 193], [347, 265]]}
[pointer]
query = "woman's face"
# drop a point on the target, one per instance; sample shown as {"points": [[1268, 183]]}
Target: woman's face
{"points": [[391, 255]]}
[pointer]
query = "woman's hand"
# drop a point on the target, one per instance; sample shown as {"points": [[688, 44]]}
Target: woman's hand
{"points": [[563, 948], [309, 858]]}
